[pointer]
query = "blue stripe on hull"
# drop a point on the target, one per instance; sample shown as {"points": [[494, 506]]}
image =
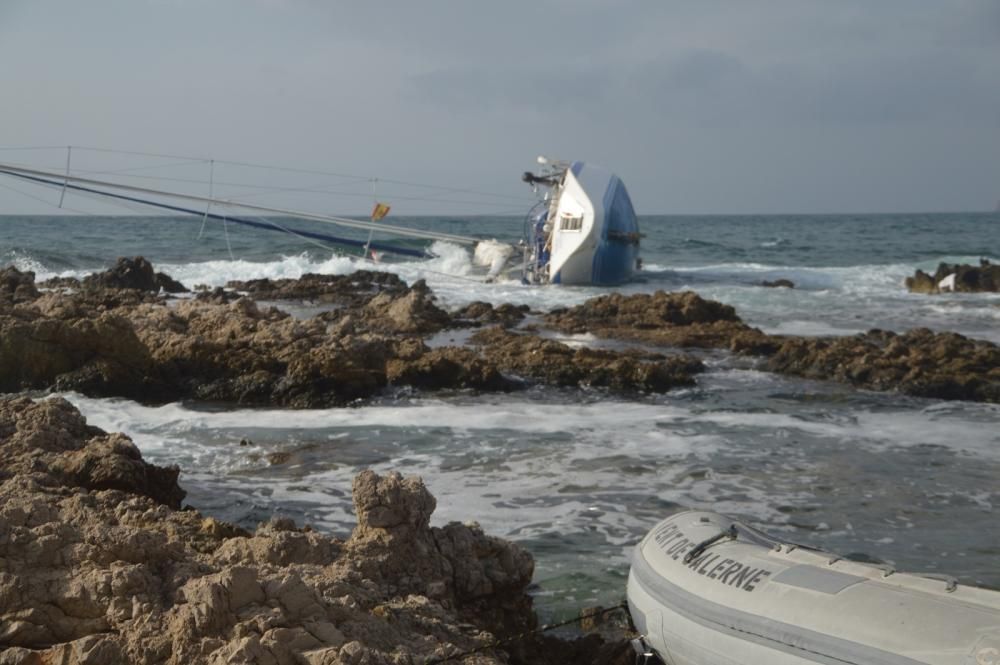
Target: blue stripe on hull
{"points": [[614, 263], [615, 259]]}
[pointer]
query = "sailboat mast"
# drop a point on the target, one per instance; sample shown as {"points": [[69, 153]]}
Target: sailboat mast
{"points": [[39, 176]]}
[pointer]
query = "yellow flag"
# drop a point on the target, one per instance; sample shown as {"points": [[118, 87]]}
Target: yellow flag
{"points": [[379, 211]]}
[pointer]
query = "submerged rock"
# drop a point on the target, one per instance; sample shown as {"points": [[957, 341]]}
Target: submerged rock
{"points": [[484, 313], [919, 363], [783, 283], [110, 573], [962, 278], [447, 367], [664, 319], [348, 290], [132, 343], [556, 363]]}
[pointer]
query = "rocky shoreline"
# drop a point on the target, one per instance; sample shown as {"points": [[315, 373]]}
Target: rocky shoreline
{"points": [[99, 565], [221, 347], [118, 334], [920, 363], [99, 562], [959, 278]]}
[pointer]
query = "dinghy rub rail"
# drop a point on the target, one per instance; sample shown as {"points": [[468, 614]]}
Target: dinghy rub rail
{"points": [[60, 178], [705, 589], [814, 647]]}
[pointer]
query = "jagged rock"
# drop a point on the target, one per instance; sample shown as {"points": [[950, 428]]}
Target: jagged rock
{"points": [[457, 565], [168, 284], [646, 311], [52, 435], [16, 286], [349, 290], [957, 277], [556, 363], [483, 313], [411, 312], [54, 343], [126, 342], [134, 273], [447, 367], [217, 296], [110, 576], [665, 319], [71, 283], [920, 363]]}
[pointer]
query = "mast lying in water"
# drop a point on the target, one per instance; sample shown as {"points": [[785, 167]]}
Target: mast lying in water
{"points": [[88, 185]]}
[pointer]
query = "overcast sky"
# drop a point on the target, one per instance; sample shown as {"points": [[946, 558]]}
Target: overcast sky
{"points": [[701, 106]]}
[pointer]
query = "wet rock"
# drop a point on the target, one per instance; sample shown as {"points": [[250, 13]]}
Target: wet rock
{"points": [[484, 313], [666, 319], [51, 435], [752, 342], [168, 284], [127, 342], [65, 283], [278, 458], [558, 364], [644, 311], [217, 296], [919, 363], [94, 575], [779, 283], [134, 273], [347, 290], [411, 312], [457, 565], [447, 367], [55, 343], [16, 286], [961, 278]]}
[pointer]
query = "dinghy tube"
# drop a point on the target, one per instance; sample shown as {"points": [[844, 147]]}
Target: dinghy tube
{"points": [[706, 590]]}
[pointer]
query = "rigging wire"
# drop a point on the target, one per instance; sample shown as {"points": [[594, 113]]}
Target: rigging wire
{"points": [[225, 230], [211, 194], [298, 170], [33, 147], [47, 202], [270, 189], [40, 176], [240, 220], [138, 207]]}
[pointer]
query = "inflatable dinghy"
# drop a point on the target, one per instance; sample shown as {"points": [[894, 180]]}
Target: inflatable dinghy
{"points": [[705, 590]]}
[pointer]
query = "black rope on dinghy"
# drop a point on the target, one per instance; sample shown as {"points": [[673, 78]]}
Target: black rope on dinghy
{"points": [[699, 549]]}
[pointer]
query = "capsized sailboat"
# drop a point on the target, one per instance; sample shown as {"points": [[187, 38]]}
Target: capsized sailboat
{"points": [[583, 231]]}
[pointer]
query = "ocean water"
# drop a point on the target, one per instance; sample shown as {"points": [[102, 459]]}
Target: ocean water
{"points": [[578, 476]]}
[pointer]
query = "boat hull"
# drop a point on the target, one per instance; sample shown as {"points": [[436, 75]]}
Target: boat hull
{"points": [[595, 235], [757, 600]]}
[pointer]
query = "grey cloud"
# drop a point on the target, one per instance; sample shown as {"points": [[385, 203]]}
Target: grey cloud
{"points": [[702, 104]]}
